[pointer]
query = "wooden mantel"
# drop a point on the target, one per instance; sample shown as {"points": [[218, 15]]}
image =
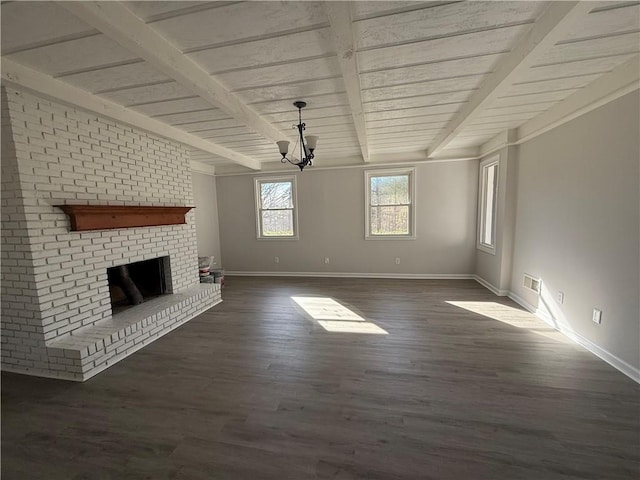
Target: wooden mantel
{"points": [[103, 217]]}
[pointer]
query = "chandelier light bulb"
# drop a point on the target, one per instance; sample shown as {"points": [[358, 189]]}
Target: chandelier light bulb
{"points": [[283, 145], [311, 142]]}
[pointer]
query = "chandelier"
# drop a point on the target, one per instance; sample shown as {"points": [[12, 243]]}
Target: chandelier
{"points": [[306, 149]]}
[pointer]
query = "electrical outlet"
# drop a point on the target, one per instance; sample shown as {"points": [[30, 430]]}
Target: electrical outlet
{"points": [[560, 298], [597, 316], [276, 259], [397, 260], [326, 260]]}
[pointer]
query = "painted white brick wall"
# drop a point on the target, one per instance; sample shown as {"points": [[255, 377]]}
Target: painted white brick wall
{"points": [[54, 281], [22, 337]]}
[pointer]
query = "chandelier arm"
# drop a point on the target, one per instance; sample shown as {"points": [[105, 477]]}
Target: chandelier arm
{"points": [[287, 159]]}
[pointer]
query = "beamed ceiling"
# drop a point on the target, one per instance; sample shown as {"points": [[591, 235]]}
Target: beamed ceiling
{"points": [[384, 81]]}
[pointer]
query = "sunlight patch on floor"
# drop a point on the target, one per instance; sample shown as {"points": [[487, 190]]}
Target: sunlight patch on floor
{"points": [[335, 317], [352, 327], [511, 316]]}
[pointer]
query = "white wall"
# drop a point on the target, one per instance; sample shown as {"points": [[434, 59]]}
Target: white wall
{"points": [[577, 225], [206, 202], [331, 217]]}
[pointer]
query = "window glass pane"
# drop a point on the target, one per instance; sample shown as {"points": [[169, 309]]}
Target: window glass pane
{"points": [[489, 204], [390, 220], [390, 190], [277, 223], [276, 195]]}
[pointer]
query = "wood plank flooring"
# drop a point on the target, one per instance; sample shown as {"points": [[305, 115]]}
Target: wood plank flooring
{"points": [[256, 388]]}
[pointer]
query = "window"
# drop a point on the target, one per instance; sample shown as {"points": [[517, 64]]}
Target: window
{"points": [[276, 207], [390, 203], [487, 205]]}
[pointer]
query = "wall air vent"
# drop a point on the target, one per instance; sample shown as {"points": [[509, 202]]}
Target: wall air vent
{"points": [[531, 283]]}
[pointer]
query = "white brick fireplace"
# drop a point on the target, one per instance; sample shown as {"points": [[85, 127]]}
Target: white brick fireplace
{"points": [[56, 309]]}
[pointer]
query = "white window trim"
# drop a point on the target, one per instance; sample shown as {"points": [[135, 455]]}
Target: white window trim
{"points": [[482, 187], [256, 186], [411, 171]]}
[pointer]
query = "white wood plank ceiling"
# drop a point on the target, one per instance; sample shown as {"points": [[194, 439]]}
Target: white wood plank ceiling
{"points": [[384, 81]]}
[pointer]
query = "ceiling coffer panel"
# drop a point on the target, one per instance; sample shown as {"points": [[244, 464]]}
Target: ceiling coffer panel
{"points": [[154, 11], [430, 71], [286, 105], [194, 116], [299, 71], [148, 94], [201, 126], [238, 22], [92, 53], [118, 77], [264, 52], [27, 25], [594, 66], [409, 90], [417, 101], [465, 46], [442, 21], [311, 88]]}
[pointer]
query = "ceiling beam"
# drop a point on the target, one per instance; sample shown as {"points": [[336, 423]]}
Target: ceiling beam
{"points": [[339, 14], [19, 76], [551, 27], [466, 153], [120, 24], [620, 81]]}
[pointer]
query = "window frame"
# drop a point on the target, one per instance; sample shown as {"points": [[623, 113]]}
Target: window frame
{"points": [[258, 181], [368, 174], [485, 165]]}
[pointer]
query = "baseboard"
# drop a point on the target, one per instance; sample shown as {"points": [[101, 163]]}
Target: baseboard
{"points": [[629, 370], [414, 276], [526, 305], [489, 286]]}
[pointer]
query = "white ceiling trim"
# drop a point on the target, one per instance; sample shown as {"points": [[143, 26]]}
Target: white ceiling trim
{"points": [[339, 14], [554, 24], [382, 158], [22, 77], [203, 168], [121, 25], [503, 139]]}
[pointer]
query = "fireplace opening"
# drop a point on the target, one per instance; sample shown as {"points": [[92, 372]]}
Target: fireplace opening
{"points": [[135, 283]]}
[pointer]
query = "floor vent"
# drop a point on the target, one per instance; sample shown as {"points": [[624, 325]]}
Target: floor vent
{"points": [[531, 283]]}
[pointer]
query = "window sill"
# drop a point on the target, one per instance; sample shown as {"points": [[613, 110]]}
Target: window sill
{"points": [[390, 237], [278, 238], [486, 249]]}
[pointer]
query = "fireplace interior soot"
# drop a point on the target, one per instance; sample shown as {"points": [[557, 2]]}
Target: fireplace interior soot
{"points": [[135, 283]]}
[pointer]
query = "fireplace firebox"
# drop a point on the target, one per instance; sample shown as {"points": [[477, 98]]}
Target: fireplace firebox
{"points": [[135, 283]]}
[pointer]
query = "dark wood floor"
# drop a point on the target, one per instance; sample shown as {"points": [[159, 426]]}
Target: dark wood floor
{"points": [[256, 389]]}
